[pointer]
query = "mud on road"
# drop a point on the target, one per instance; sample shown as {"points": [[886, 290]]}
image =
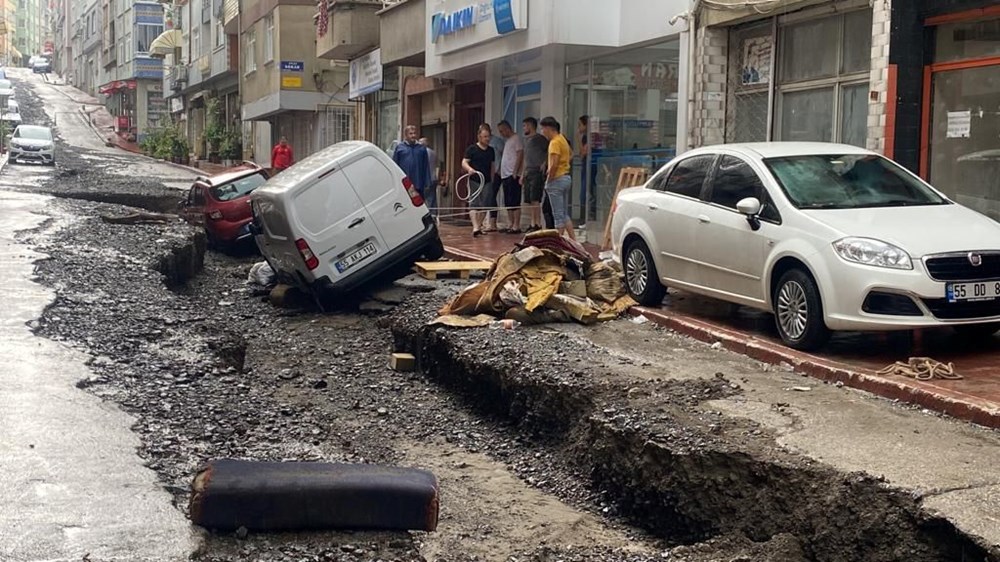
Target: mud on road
{"points": [[547, 446]]}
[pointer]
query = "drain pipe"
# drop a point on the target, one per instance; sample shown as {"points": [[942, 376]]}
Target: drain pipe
{"points": [[691, 17]]}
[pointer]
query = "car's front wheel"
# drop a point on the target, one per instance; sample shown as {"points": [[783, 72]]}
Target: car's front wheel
{"points": [[641, 278], [798, 311], [977, 331]]}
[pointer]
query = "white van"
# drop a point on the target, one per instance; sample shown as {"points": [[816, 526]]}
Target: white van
{"points": [[342, 216]]}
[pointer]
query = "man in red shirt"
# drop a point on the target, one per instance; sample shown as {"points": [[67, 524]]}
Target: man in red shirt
{"points": [[281, 156]]}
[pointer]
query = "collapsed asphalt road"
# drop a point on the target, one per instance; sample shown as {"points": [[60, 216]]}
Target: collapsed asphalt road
{"points": [[560, 443]]}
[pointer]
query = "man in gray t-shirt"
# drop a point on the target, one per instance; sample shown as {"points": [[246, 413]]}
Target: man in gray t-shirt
{"points": [[536, 154]]}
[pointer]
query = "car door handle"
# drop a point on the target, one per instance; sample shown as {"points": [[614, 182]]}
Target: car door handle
{"points": [[653, 206], [356, 222], [703, 219]]}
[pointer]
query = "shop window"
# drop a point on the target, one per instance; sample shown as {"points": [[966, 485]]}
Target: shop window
{"points": [[967, 40], [807, 52], [750, 81], [521, 101], [857, 44], [807, 115], [688, 176]]}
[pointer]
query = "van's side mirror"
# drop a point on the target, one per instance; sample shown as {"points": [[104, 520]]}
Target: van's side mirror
{"points": [[751, 208]]}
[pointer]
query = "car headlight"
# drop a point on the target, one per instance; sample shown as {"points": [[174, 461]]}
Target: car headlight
{"points": [[15, 144], [867, 251]]}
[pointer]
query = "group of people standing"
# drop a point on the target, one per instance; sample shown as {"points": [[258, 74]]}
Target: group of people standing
{"points": [[536, 168]]}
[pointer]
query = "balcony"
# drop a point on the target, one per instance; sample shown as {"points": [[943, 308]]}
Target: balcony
{"points": [[225, 60], [353, 29], [402, 42], [231, 16], [109, 58]]}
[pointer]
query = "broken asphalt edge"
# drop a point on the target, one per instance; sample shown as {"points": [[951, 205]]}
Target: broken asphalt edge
{"points": [[666, 470], [928, 395]]}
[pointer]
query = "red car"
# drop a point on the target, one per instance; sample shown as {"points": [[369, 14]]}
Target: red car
{"points": [[221, 204]]}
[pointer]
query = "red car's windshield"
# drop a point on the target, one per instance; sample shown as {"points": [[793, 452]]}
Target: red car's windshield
{"points": [[238, 188]]}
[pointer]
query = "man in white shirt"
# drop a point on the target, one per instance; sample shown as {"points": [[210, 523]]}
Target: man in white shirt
{"points": [[511, 163]]}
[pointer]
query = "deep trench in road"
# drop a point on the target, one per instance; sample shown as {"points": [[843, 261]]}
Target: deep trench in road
{"points": [[541, 453]]}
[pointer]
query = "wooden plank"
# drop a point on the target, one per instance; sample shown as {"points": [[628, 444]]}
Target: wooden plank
{"points": [[463, 269], [628, 177]]}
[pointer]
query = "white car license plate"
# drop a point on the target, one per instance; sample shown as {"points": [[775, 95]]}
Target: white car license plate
{"points": [[351, 260], [978, 291]]}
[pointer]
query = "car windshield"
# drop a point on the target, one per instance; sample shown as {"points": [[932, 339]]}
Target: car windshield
{"points": [[848, 181], [34, 133], [238, 188], [5, 85]]}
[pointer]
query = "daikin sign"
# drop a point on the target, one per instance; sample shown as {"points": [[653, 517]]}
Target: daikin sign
{"points": [[458, 24]]}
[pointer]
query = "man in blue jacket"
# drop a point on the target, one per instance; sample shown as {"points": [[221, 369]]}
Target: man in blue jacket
{"points": [[412, 157]]}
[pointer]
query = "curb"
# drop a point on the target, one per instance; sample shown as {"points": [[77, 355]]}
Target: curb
{"points": [[955, 404]]}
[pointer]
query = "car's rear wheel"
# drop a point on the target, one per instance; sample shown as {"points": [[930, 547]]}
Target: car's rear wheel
{"points": [[977, 331], [798, 311], [641, 278]]}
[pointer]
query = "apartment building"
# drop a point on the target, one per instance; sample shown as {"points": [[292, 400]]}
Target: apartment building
{"points": [[286, 89], [30, 28], [9, 54], [132, 79], [87, 45], [203, 61]]}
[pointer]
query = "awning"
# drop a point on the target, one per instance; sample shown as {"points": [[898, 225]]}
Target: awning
{"points": [[165, 43], [117, 85]]}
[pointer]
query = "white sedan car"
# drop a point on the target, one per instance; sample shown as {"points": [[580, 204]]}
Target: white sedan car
{"points": [[826, 236]]}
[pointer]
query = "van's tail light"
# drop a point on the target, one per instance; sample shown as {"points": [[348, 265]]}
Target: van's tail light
{"points": [[415, 196], [215, 215], [312, 262]]}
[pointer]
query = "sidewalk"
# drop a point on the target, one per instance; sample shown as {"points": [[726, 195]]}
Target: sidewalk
{"points": [[850, 358]]}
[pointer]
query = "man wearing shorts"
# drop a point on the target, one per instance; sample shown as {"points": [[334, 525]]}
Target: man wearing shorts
{"points": [[511, 164], [536, 153], [558, 181], [480, 158]]}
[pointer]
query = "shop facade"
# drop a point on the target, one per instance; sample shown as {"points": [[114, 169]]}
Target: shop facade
{"points": [[945, 63], [620, 63]]}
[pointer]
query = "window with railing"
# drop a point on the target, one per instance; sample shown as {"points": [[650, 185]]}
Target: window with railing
{"points": [[144, 35]]}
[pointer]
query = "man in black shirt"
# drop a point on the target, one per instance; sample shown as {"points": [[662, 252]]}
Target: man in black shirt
{"points": [[481, 158]]}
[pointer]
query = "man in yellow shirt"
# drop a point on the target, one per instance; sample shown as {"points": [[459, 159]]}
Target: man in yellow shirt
{"points": [[558, 181]]}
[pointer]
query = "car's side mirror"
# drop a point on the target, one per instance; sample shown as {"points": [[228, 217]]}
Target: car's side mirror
{"points": [[182, 203], [751, 208]]}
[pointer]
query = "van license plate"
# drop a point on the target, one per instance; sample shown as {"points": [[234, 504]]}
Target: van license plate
{"points": [[981, 291], [348, 262]]}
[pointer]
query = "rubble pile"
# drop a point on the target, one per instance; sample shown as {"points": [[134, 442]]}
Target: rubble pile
{"points": [[548, 278]]}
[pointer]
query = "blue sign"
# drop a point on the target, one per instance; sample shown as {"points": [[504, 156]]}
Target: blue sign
{"points": [[503, 15], [292, 66], [446, 24]]}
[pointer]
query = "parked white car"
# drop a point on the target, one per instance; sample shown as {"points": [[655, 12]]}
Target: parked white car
{"points": [[826, 236], [340, 217], [31, 142]]}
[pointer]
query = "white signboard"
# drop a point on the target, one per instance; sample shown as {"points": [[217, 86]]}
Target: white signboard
{"points": [[457, 24], [959, 124], [366, 74]]}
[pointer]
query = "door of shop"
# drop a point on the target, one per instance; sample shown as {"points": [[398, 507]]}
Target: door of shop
{"points": [[960, 137]]}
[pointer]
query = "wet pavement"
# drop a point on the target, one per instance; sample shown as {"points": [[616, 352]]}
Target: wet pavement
{"points": [[849, 352]]}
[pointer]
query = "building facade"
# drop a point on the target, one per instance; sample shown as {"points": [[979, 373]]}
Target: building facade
{"points": [[286, 89], [132, 79], [9, 54], [30, 29], [87, 47], [622, 64]]}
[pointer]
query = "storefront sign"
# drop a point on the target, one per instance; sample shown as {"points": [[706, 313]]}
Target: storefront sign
{"points": [[656, 76], [291, 82], [176, 105], [456, 24], [959, 124], [366, 74], [756, 63], [292, 66]]}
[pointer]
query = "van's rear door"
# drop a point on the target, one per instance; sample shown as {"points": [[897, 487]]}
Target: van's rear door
{"points": [[337, 226], [380, 186]]}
